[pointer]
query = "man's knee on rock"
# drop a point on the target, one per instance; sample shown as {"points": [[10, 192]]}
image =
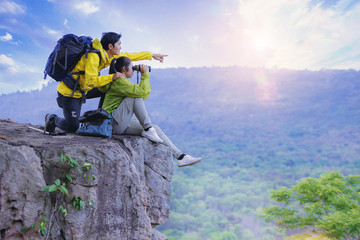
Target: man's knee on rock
{"points": [[73, 128]]}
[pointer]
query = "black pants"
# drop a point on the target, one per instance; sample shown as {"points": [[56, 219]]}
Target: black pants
{"points": [[72, 108], [95, 93]]}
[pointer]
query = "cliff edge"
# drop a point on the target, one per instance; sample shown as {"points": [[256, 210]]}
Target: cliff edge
{"points": [[130, 185]]}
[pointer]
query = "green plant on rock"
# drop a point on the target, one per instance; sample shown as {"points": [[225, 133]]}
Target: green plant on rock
{"points": [[61, 191], [77, 202], [57, 186], [40, 226], [328, 205]]}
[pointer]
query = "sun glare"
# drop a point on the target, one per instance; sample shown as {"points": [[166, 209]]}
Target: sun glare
{"points": [[261, 44], [266, 90], [260, 39]]}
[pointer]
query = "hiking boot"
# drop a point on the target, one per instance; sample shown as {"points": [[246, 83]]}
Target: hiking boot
{"points": [[188, 160], [49, 123], [151, 135]]}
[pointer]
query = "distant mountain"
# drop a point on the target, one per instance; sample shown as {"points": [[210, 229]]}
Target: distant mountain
{"points": [[229, 92], [256, 129]]}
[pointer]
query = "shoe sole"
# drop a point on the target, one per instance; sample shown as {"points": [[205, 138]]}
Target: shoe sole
{"points": [[47, 122], [190, 163]]}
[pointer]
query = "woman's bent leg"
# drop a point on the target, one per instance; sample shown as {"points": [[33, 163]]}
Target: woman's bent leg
{"points": [[122, 115], [134, 128], [125, 111], [141, 113]]}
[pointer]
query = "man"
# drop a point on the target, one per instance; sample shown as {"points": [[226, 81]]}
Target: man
{"points": [[71, 101]]}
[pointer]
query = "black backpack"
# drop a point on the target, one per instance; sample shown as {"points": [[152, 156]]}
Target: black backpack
{"points": [[66, 54]]}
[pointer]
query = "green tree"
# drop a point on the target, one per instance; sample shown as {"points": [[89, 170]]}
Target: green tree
{"points": [[328, 204]]}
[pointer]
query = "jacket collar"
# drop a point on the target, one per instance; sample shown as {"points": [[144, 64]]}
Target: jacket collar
{"points": [[104, 56]]}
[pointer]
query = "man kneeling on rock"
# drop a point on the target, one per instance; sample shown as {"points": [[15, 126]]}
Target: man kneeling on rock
{"points": [[124, 98]]}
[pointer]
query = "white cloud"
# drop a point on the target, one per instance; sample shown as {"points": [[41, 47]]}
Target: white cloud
{"points": [[6, 37], [6, 85], [5, 60], [52, 32], [66, 23], [297, 35], [32, 69], [11, 66], [195, 42], [86, 7], [139, 29], [8, 64], [11, 7], [194, 38]]}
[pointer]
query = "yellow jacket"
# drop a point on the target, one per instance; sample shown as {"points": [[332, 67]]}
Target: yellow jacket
{"points": [[91, 67]]}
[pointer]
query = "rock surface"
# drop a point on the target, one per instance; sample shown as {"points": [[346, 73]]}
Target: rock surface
{"points": [[131, 191]]}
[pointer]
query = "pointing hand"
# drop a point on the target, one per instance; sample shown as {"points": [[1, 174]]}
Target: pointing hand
{"points": [[159, 57]]}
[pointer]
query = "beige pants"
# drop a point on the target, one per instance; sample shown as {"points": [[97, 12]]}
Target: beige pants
{"points": [[124, 125]]}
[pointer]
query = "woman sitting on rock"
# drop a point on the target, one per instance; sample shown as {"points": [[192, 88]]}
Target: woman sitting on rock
{"points": [[124, 98]]}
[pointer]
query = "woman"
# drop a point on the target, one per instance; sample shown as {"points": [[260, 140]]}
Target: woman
{"points": [[124, 98]]}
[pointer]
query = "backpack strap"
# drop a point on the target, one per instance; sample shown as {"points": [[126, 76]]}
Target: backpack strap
{"points": [[73, 83]]}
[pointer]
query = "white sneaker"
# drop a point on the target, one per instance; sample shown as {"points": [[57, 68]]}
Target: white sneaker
{"points": [[152, 135], [188, 160]]}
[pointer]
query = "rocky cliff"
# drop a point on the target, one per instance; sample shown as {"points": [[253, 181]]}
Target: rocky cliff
{"points": [[129, 185]]}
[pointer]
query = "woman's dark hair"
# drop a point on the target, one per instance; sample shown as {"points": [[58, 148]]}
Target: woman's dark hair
{"points": [[109, 37], [118, 63]]}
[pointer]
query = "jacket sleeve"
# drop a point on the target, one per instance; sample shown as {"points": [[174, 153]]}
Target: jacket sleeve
{"points": [[123, 87], [145, 55], [92, 78]]}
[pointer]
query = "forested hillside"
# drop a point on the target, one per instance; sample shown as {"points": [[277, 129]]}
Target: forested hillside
{"points": [[256, 129]]}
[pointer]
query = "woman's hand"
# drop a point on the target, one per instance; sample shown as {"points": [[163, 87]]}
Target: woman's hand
{"points": [[144, 68], [159, 57], [117, 75]]}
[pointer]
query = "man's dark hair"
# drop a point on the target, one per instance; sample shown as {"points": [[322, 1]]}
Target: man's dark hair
{"points": [[118, 64], [109, 37]]}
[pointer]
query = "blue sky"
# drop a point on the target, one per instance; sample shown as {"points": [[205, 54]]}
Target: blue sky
{"points": [[295, 34]]}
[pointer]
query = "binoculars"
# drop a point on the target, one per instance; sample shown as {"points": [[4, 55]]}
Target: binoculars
{"points": [[137, 68]]}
